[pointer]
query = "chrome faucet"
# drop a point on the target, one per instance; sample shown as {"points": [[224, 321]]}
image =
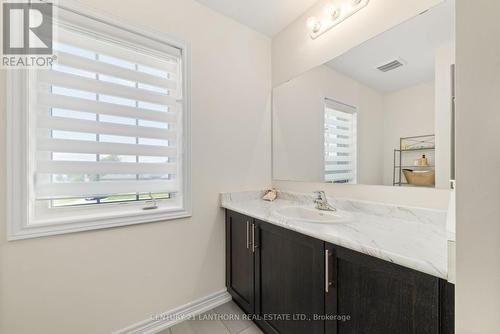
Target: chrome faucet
{"points": [[322, 202]]}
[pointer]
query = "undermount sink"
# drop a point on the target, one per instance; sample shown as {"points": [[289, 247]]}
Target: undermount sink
{"points": [[312, 215]]}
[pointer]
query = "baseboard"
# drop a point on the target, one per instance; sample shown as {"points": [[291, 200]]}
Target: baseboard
{"points": [[168, 319]]}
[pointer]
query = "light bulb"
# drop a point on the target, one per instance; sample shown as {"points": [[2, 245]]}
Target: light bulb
{"points": [[313, 24], [332, 12]]}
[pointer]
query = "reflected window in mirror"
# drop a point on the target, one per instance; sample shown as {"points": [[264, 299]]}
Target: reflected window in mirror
{"points": [[362, 144], [340, 142]]}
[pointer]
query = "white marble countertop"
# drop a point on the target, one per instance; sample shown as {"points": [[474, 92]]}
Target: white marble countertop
{"points": [[412, 237]]}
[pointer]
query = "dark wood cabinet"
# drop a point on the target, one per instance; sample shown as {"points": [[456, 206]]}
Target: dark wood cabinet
{"points": [[240, 260], [379, 297], [294, 284], [447, 307], [289, 281]]}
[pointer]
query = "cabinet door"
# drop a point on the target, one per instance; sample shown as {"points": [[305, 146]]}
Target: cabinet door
{"points": [[447, 299], [379, 297], [240, 260], [289, 281]]}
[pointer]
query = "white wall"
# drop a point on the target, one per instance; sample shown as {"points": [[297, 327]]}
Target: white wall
{"points": [[407, 112], [478, 163], [294, 52], [101, 281], [298, 132]]}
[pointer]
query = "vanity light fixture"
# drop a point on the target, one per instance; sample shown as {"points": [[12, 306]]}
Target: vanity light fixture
{"points": [[334, 15], [332, 12], [314, 24]]}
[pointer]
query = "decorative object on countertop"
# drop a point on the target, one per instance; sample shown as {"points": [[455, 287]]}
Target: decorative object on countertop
{"points": [[270, 195], [421, 162], [406, 156], [420, 177]]}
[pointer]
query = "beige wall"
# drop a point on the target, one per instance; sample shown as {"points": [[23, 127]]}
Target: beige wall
{"points": [[294, 52], [298, 132], [100, 281], [478, 163], [407, 112]]}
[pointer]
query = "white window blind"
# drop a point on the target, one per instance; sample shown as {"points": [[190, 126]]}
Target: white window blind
{"points": [[340, 142], [108, 122], [101, 138]]}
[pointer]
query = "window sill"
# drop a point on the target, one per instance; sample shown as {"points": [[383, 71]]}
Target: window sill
{"points": [[96, 222]]}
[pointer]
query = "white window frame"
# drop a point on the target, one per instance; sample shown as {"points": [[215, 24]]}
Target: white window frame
{"points": [[348, 109], [19, 158]]}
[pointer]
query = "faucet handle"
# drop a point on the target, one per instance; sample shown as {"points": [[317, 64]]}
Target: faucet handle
{"points": [[320, 195]]}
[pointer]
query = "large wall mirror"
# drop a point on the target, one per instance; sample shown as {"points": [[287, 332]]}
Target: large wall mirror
{"points": [[379, 114]]}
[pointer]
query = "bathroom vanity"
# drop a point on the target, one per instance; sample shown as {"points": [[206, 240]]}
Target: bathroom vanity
{"points": [[379, 114], [372, 268]]}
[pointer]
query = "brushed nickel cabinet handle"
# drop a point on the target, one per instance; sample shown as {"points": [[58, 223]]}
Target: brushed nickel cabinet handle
{"points": [[248, 235], [327, 271], [327, 286]]}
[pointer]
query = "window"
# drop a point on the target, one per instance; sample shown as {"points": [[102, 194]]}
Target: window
{"points": [[340, 142], [103, 133]]}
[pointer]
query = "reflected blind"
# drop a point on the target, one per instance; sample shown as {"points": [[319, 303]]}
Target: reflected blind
{"points": [[340, 142], [109, 120]]}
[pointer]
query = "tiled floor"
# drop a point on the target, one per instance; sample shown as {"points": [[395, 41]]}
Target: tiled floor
{"points": [[230, 322]]}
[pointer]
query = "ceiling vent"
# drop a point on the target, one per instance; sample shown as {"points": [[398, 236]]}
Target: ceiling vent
{"points": [[392, 65]]}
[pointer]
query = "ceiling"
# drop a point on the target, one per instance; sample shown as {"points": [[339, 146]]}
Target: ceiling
{"points": [[266, 16], [414, 41]]}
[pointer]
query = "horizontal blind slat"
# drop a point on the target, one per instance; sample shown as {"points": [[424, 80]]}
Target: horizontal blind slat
{"points": [[340, 132], [91, 147], [66, 80], [332, 168], [78, 125], [90, 65], [339, 176], [339, 107], [339, 113], [114, 50], [339, 159], [88, 189], [338, 120], [99, 107], [335, 140], [335, 148], [103, 167], [331, 128]]}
